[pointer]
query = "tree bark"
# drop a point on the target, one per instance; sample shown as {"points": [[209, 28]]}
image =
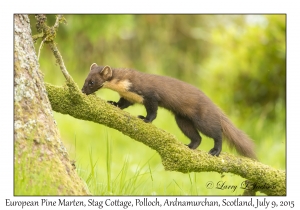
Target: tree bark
{"points": [[36, 136]]}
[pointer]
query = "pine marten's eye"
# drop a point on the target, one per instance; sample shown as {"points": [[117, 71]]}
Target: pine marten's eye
{"points": [[91, 83]]}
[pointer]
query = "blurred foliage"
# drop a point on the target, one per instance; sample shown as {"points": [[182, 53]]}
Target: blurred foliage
{"points": [[239, 61], [161, 44], [250, 61]]}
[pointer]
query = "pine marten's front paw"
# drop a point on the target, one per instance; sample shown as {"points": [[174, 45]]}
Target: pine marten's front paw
{"points": [[113, 103]]}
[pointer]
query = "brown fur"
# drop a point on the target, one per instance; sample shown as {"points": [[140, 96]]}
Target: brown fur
{"points": [[193, 110], [237, 139]]}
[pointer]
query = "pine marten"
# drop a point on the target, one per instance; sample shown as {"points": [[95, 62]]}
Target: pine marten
{"points": [[193, 110]]}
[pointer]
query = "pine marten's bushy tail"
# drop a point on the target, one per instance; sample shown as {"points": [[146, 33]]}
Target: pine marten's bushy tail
{"points": [[237, 138]]}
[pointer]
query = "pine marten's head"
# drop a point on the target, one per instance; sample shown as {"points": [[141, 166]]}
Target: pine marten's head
{"points": [[97, 77]]}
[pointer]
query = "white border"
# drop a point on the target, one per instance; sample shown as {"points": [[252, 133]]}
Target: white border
{"points": [[236, 6]]}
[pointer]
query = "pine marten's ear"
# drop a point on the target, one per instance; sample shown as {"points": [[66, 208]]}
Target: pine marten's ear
{"points": [[106, 73], [93, 66]]}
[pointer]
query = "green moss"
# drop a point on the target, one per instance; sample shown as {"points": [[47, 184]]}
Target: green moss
{"points": [[32, 175]]}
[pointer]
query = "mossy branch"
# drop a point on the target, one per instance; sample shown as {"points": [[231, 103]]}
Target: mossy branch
{"points": [[174, 154]]}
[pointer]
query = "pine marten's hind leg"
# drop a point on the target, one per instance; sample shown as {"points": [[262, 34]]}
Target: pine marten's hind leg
{"points": [[188, 128], [216, 150], [213, 130]]}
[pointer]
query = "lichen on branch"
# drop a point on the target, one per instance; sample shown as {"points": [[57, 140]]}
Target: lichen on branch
{"points": [[48, 34]]}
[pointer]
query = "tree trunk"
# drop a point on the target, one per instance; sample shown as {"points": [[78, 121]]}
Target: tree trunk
{"points": [[40, 157]]}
